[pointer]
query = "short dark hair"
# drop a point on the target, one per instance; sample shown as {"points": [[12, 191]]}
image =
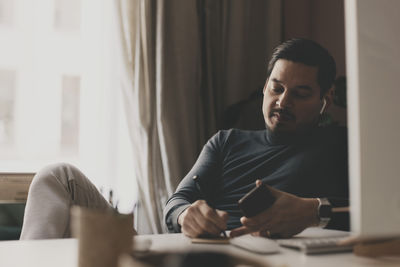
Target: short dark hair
{"points": [[309, 53]]}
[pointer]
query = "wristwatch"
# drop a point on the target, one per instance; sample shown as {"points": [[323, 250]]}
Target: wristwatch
{"points": [[324, 212]]}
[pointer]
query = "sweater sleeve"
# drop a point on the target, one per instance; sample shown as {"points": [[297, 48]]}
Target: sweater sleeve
{"points": [[208, 168]]}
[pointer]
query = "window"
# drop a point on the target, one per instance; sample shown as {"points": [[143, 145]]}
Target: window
{"points": [[7, 99], [6, 12], [59, 98], [70, 114], [67, 15]]}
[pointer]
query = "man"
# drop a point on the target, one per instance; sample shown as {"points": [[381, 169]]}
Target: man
{"points": [[301, 163]]}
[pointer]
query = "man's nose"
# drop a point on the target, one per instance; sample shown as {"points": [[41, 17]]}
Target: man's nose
{"points": [[284, 101]]}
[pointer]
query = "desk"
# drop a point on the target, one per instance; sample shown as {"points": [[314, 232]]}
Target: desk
{"points": [[63, 252]]}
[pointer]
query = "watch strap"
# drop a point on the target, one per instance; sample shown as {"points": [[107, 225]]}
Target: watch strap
{"points": [[324, 212]]}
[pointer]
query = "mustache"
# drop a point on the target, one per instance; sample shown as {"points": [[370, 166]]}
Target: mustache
{"points": [[282, 112]]}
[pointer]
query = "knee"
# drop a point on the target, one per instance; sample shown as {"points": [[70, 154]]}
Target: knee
{"points": [[56, 173]]}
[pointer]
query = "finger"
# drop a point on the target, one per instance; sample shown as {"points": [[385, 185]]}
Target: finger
{"points": [[205, 227], [214, 217], [194, 220], [191, 228], [273, 225], [190, 231], [208, 227], [258, 182], [240, 231], [212, 222], [257, 222], [206, 224], [196, 223], [200, 209], [265, 233], [223, 215], [262, 229], [276, 231], [205, 215]]}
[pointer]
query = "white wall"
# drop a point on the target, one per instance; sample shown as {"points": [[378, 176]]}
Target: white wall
{"points": [[373, 71]]}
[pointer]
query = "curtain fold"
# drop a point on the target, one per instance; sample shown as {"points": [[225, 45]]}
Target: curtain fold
{"points": [[184, 62], [138, 27]]}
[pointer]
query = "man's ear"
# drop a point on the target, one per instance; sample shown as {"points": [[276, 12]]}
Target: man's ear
{"points": [[329, 97]]}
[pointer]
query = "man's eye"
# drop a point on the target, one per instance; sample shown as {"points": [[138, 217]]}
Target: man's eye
{"points": [[301, 94], [277, 90]]}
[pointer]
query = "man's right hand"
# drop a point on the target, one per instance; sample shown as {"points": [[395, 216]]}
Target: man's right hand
{"points": [[200, 219]]}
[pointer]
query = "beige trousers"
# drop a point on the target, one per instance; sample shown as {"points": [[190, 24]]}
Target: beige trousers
{"points": [[53, 191]]}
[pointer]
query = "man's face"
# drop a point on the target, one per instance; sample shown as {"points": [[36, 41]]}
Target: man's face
{"points": [[292, 101]]}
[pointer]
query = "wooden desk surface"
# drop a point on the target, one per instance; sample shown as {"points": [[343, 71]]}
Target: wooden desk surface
{"points": [[63, 252]]}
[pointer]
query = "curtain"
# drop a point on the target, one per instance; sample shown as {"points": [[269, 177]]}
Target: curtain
{"points": [[184, 62]]}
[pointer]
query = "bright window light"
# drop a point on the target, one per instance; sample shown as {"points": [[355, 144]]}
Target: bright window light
{"points": [[59, 97]]}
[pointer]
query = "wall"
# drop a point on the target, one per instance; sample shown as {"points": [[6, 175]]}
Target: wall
{"points": [[323, 22]]}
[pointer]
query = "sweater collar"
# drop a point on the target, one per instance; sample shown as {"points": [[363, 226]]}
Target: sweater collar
{"points": [[282, 138]]}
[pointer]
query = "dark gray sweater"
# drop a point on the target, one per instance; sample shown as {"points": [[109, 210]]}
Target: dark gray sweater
{"points": [[308, 165]]}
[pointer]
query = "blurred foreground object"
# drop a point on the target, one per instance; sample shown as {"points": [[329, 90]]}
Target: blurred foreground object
{"points": [[102, 236], [188, 258]]}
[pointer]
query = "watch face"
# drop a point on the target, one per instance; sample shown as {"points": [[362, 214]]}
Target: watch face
{"points": [[325, 211]]}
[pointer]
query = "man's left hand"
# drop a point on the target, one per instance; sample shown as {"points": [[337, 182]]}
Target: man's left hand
{"points": [[288, 216]]}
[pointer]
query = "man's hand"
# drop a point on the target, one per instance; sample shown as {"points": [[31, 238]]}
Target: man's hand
{"points": [[289, 215], [200, 219]]}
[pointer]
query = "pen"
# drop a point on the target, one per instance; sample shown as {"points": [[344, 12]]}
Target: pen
{"points": [[197, 182]]}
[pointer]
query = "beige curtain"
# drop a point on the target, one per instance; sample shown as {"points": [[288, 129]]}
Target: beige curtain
{"points": [[185, 61]]}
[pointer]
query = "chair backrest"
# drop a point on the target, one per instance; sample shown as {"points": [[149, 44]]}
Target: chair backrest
{"points": [[13, 194]]}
